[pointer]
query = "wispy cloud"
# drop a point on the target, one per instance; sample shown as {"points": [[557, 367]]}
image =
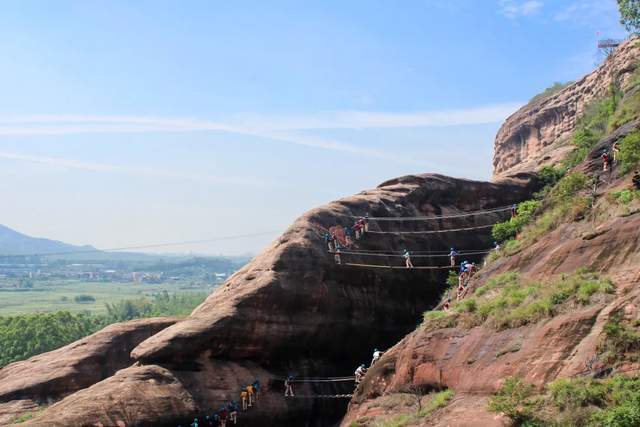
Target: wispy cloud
{"points": [[593, 13], [145, 172], [284, 128], [516, 8]]}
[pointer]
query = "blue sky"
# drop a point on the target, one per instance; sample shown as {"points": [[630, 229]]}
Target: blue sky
{"points": [[126, 123]]}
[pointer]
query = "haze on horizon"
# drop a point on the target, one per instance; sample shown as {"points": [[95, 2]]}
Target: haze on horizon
{"points": [[130, 124]]}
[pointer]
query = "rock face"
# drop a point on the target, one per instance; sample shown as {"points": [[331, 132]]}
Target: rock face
{"points": [[536, 134], [293, 310]]}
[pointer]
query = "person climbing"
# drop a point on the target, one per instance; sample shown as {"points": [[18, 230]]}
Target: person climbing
{"points": [[215, 420], [447, 305], [223, 416], [243, 397], [365, 223], [357, 228], [360, 372], [460, 290], [194, 423], [337, 254], [232, 408], [348, 235], [452, 257], [329, 240], [514, 210], [471, 269], [256, 389], [606, 160], [496, 246], [407, 259], [636, 180], [250, 393], [288, 388], [615, 149], [377, 354]]}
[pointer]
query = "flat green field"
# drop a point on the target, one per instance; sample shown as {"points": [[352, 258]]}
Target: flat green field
{"points": [[56, 296]]}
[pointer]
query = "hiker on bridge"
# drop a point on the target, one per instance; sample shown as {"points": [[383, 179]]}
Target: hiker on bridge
{"points": [[452, 257], [348, 235], [256, 389], [360, 372], [377, 354], [407, 259], [243, 398], [288, 387], [337, 257], [365, 223], [250, 392], [358, 230], [330, 240], [223, 416], [606, 160], [232, 408]]}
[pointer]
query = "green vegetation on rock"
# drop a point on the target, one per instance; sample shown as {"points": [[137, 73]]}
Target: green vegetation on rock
{"points": [[508, 301], [580, 401]]}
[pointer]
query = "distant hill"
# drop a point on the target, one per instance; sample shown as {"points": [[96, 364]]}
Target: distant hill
{"points": [[15, 243]]}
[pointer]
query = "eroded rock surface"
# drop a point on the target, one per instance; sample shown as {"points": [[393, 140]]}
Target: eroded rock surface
{"points": [[293, 310], [537, 133]]}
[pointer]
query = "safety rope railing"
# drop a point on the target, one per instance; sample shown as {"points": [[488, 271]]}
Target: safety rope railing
{"points": [[438, 217], [449, 230], [414, 255], [322, 396]]}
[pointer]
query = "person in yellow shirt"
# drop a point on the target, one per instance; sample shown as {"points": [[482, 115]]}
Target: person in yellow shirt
{"points": [[250, 393], [243, 396]]}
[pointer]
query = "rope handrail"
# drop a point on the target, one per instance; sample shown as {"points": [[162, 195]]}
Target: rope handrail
{"points": [[322, 380], [385, 251], [450, 230], [322, 396], [397, 267], [486, 251], [435, 217]]}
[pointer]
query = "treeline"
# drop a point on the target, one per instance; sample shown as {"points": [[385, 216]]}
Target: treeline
{"points": [[27, 335]]}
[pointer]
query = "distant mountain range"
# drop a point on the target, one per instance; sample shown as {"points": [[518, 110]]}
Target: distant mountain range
{"points": [[15, 243]]}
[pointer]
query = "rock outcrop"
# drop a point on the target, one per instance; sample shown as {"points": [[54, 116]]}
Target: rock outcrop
{"points": [[537, 134], [48, 377], [292, 310]]}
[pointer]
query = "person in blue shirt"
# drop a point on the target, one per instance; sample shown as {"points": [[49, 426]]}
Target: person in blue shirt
{"points": [[452, 256], [407, 258], [348, 235]]}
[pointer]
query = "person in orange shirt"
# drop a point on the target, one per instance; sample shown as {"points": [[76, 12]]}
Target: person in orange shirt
{"points": [[250, 393]]}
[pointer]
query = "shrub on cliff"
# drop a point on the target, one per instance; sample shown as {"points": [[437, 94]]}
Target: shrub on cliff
{"points": [[580, 401], [506, 230], [509, 301], [630, 152]]}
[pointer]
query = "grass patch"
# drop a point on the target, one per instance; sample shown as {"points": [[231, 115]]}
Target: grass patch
{"points": [[621, 341], [508, 301], [554, 88], [576, 401], [434, 402], [28, 416]]}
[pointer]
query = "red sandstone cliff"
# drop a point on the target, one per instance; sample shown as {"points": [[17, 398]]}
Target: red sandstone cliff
{"points": [[537, 134], [291, 309]]}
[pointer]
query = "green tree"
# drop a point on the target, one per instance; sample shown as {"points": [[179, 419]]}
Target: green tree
{"points": [[630, 14]]}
